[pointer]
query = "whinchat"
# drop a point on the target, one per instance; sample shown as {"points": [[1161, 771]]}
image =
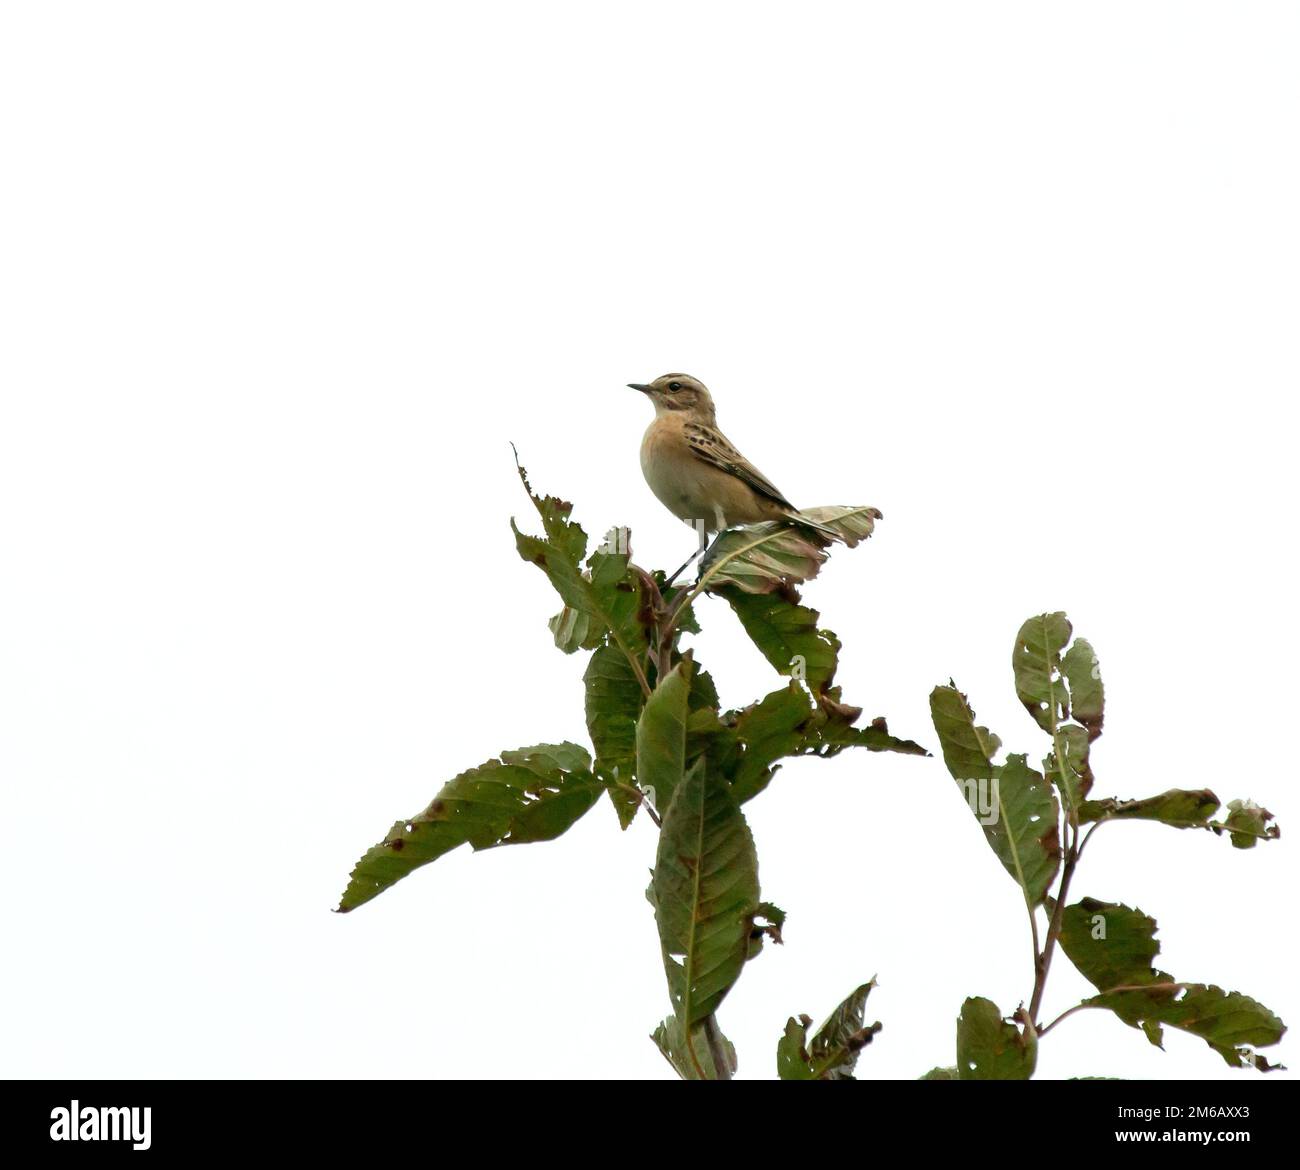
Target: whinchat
{"points": [[696, 472]]}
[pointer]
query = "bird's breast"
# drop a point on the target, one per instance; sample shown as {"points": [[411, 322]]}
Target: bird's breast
{"points": [[667, 464]]}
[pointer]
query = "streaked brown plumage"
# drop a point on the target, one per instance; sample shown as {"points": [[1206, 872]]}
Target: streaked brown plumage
{"points": [[695, 470]]}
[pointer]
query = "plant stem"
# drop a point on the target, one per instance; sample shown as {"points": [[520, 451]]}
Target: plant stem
{"points": [[1044, 961], [1078, 1007], [716, 1051]]}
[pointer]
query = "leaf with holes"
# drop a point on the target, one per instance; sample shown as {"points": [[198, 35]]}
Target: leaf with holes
{"points": [[1087, 695], [1014, 804], [705, 893], [990, 1048], [604, 600], [832, 1054], [1036, 662], [613, 705], [533, 794], [1053, 686], [1115, 947], [850, 523], [1247, 823], [1180, 808], [762, 558], [700, 1061]]}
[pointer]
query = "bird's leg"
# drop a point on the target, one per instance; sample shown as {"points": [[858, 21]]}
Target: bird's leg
{"points": [[704, 554], [682, 568], [703, 533]]}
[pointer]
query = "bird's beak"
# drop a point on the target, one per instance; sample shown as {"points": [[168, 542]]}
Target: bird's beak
{"points": [[638, 386]]}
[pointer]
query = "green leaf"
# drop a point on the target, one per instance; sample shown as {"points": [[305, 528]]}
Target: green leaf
{"points": [[1087, 695], [827, 735], [698, 1062], [1232, 1024], [786, 724], [787, 636], [942, 1074], [1036, 661], [661, 736], [1115, 947], [705, 893], [687, 622], [833, 1053], [1112, 945], [613, 705], [1183, 808], [767, 731], [1046, 683], [574, 630], [1248, 823], [762, 558], [1179, 807], [604, 600], [533, 794], [1067, 762], [792, 1060], [968, 749], [1014, 804], [990, 1048]]}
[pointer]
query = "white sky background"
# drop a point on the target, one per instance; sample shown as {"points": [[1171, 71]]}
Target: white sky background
{"points": [[279, 284]]}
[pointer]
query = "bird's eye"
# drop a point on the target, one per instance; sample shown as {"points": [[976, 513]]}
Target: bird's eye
{"points": [[674, 385]]}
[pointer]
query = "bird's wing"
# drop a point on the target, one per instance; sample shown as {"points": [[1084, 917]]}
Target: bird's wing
{"points": [[711, 446]]}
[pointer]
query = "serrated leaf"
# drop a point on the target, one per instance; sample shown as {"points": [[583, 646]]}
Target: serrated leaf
{"points": [[827, 735], [787, 635], [990, 1048], [533, 794], [613, 701], [1114, 947], [767, 731], [833, 1052], [1014, 804], [605, 599], [786, 724], [661, 736], [705, 892], [762, 558], [1232, 1024], [698, 1062]]}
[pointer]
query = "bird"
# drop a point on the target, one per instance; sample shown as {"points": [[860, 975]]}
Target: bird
{"points": [[696, 471]]}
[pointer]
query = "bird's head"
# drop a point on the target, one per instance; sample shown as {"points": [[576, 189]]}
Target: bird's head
{"points": [[673, 392]]}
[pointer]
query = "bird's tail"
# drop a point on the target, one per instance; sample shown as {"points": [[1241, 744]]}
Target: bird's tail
{"points": [[807, 522]]}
